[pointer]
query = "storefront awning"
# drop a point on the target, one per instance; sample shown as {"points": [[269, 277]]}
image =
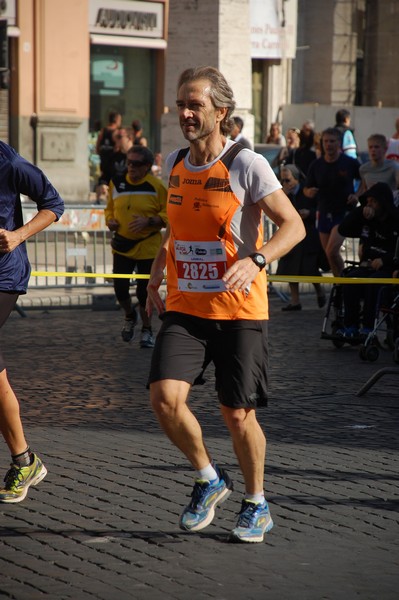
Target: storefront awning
{"points": [[133, 42]]}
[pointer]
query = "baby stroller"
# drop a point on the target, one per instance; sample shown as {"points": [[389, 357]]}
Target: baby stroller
{"points": [[333, 321], [387, 320]]}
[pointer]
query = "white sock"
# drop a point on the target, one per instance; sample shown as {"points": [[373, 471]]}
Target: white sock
{"points": [[256, 498], [208, 473]]}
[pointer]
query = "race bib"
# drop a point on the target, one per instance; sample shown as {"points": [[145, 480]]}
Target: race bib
{"points": [[200, 266]]}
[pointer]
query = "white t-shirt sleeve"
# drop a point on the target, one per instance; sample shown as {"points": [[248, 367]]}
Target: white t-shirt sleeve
{"points": [[252, 177]]}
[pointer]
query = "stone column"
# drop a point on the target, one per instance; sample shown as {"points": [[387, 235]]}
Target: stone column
{"points": [[208, 32], [50, 115]]}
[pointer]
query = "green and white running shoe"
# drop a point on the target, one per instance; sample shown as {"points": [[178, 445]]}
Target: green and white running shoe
{"points": [[253, 522], [18, 479]]}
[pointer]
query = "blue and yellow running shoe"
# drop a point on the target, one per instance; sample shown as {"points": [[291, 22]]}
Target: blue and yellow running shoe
{"points": [[18, 479], [204, 499], [253, 522]]}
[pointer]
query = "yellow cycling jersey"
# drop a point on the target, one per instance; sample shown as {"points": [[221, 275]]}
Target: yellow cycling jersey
{"points": [[127, 199]]}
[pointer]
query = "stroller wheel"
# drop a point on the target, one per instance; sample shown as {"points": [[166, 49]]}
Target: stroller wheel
{"points": [[337, 341], [370, 353]]}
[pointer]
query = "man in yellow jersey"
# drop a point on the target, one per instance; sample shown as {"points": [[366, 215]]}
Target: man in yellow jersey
{"points": [[135, 213], [216, 306]]}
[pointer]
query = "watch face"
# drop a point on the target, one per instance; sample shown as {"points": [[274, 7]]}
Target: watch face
{"points": [[259, 260]]}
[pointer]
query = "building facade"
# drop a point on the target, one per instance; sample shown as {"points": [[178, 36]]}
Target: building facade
{"points": [[69, 64], [65, 65]]}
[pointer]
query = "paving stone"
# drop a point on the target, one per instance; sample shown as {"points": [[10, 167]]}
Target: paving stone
{"points": [[103, 524]]}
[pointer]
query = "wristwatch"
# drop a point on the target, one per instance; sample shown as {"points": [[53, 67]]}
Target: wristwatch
{"points": [[258, 259]]}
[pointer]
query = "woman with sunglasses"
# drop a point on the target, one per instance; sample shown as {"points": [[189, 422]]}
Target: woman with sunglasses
{"points": [[304, 258]]}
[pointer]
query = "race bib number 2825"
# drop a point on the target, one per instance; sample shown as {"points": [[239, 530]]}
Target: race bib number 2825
{"points": [[200, 266]]}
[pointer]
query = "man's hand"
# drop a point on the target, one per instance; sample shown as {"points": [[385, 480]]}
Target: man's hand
{"points": [[376, 264], [154, 299], [240, 275], [310, 192], [9, 240], [137, 224], [113, 225]]}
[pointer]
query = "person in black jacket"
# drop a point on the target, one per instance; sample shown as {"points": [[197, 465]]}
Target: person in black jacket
{"points": [[305, 257], [376, 223]]}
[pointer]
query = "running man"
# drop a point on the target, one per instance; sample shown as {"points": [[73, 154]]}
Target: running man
{"points": [[216, 306]]}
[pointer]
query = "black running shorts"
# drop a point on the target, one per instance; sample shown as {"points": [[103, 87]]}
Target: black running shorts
{"points": [[7, 304], [185, 345]]}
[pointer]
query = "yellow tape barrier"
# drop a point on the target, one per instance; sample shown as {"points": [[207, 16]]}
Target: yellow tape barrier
{"points": [[310, 279], [282, 278]]}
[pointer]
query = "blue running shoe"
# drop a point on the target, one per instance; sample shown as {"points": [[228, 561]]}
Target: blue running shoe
{"points": [[348, 332], [253, 522], [204, 499]]}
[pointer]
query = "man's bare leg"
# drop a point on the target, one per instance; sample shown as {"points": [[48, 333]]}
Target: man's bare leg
{"points": [[169, 402], [249, 443], [10, 420], [333, 252]]}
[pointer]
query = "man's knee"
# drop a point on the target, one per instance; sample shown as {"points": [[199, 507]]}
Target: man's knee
{"points": [[238, 419], [168, 396]]}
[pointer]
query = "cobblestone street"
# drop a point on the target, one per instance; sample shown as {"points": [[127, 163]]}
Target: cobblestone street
{"points": [[104, 523]]}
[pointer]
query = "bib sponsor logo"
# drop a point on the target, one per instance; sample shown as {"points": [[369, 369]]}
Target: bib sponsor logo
{"points": [[216, 252], [174, 199], [184, 249]]}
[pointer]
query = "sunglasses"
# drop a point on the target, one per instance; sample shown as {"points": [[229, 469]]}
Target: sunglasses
{"points": [[285, 180], [135, 163]]}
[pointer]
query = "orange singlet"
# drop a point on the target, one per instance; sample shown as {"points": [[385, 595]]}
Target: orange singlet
{"points": [[202, 246]]}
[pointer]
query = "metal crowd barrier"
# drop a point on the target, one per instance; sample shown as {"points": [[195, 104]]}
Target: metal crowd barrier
{"points": [[80, 243]]}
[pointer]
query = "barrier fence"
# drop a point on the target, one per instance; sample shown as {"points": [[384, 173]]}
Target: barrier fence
{"points": [[78, 243], [75, 252]]}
